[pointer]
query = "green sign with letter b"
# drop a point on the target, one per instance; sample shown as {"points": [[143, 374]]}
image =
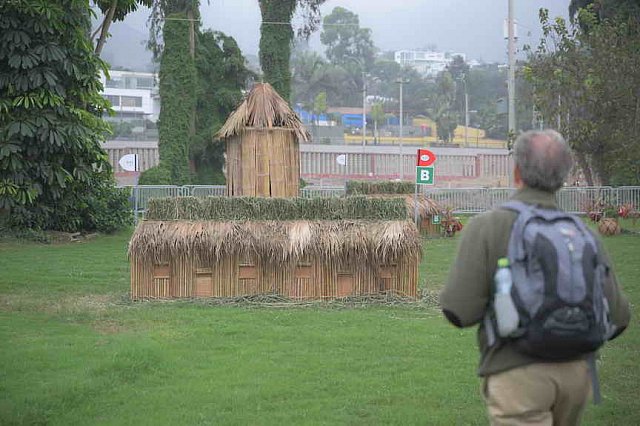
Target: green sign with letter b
{"points": [[425, 175]]}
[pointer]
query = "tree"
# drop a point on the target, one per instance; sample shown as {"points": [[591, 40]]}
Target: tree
{"points": [[114, 10], [442, 110], [377, 115], [345, 40], [594, 104], [416, 90], [160, 12], [312, 75], [178, 93], [320, 105], [176, 20], [276, 37], [53, 171], [459, 70], [603, 9], [221, 76]]}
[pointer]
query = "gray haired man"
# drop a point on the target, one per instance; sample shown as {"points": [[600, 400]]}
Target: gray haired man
{"points": [[520, 389]]}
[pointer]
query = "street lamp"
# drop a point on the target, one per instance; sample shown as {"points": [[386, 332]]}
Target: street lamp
{"points": [[401, 81], [463, 78]]}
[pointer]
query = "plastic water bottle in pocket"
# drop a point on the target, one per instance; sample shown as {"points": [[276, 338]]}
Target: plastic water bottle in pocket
{"points": [[506, 312]]}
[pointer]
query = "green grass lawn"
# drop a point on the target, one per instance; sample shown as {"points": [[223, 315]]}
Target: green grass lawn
{"points": [[74, 350]]}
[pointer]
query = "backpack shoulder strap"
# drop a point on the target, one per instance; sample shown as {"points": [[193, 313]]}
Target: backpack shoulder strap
{"points": [[525, 212]]}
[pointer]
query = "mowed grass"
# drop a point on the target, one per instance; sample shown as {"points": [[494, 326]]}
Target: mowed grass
{"points": [[74, 350]]}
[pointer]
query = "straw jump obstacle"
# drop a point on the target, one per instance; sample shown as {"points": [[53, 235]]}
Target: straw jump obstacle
{"points": [[241, 246]]}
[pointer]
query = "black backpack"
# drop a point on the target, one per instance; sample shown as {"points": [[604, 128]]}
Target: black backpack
{"points": [[558, 284]]}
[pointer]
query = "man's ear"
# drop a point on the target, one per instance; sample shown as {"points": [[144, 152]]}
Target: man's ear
{"points": [[517, 177]]}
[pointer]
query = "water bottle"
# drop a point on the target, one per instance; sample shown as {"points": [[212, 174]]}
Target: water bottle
{"points": [[506, 312]]}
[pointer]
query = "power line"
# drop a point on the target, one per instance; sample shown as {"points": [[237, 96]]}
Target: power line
{"points": [[268, 22]]}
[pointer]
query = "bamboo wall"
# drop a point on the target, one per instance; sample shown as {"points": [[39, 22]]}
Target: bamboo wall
{"points": [[263, 163], [234, 277]]}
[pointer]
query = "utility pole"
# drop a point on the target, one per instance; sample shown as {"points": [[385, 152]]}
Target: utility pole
{"points": [[466, 116], [512, 70], [512, 80], [364, 109], [401, 81], [466, 111]]}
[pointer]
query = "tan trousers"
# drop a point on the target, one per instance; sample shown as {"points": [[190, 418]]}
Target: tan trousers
{"points": [[538, 394]]}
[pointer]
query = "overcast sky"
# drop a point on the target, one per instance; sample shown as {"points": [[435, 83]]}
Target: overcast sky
{"points": [[473, 27]]}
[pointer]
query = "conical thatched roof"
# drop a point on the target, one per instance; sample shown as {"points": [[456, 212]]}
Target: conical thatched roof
{"points": [[263, 108], [378, 241]]}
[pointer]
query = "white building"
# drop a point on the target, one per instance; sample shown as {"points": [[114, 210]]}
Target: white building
{"points": [[135, 102], [427, 63]]}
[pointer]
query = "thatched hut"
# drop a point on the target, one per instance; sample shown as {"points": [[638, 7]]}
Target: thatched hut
{"points": [[262, 140], [192, 247]]}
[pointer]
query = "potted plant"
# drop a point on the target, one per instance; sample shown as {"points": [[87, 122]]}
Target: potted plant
{"points": [[450, 223], [608, 224]]}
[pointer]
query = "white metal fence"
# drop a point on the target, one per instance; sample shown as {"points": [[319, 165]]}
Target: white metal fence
{"points": [[572, 199], [461, 200]]}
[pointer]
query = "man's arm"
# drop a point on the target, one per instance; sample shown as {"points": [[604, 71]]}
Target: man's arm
{"points": [[466, 294], [618, 304]]}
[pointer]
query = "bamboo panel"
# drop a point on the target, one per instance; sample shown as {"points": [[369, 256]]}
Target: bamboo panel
{"points": [[287, 142], [234, 167], [248, 165], [141, 279], [160, 288], [204, 285], [184, 278], [248, 272], [302, 288], [219, 273], [263, 148], [275, 164], [331, 289], [181, 277], [295, 178], [246, 287]]}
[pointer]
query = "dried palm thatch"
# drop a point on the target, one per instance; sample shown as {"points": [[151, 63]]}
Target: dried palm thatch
{"points": [[245, 208], [263, 108], [427, 207], [295, 259], [277, 242]]}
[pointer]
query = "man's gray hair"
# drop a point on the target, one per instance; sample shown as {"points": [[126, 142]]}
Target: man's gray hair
{"points": [[544, 159]]}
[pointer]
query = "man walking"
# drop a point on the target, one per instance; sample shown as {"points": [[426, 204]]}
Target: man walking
{"points": [[520, 388]]}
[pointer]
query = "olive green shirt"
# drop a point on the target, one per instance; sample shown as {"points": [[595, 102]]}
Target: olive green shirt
{"points": [[468, 291]]}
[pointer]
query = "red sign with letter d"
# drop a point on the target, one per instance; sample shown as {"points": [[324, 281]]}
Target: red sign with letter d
{"points": [[425, 157]]}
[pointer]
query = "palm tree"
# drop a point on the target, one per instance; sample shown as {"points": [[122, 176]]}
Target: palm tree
{"points": [[312, 75]]}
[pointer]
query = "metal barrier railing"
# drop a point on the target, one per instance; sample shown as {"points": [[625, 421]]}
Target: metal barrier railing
{"points": [[461, 200]]}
